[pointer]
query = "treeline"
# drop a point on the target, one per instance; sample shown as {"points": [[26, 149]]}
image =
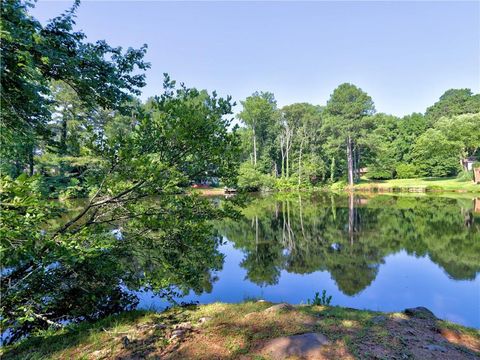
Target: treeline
{"points": [[306, 145]]}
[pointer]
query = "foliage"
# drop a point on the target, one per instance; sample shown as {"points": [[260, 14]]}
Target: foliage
{"points": [[406, 171], [454, 102], [435, 155], [324, 300], [117, 233], [251, 179], [33, 55], [464, 129]]}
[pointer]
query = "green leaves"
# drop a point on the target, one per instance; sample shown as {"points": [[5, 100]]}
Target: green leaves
{"points": [[139, 230], [436, 155]]}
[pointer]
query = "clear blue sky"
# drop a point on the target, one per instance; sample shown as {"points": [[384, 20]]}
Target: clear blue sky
{"points": [[404, 54]]}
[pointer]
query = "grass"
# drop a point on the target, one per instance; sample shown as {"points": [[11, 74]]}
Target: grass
{"points": [[210, 191], [230, 331], [420, 185]]}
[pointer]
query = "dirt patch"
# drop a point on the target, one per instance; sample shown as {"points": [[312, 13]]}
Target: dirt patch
{"points": [[456, 337]]}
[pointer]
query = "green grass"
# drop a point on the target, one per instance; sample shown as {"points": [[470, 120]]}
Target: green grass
{"points": [[421, 184], [231, 331]]}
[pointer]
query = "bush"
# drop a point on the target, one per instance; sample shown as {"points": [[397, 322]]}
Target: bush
{"points": [[339, 185], [437, 156], [465, 175], [323, 300], [283, 184], [406, 171], [251, 179]]}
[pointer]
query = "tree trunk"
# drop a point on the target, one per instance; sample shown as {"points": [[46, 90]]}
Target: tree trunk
{"points": [[300, 164], [350, 161], [287, 151], [30, 161], [254, 148], [63, 136], [282, 143], [351, 217]]}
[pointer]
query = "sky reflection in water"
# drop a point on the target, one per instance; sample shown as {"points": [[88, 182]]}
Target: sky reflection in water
{"points": [[383, 253]]}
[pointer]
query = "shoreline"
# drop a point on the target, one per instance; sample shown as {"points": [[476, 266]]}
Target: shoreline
{"points": [[256, 330]]}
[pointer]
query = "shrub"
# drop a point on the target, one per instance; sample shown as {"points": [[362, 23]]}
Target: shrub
{"points": [[323, 300], [406, 171], [339, 185], [465, 175], [251, 179], [283, 184]]}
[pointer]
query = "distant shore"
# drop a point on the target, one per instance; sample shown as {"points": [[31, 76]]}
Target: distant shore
{"points": [[256, 330], [418, 185]]}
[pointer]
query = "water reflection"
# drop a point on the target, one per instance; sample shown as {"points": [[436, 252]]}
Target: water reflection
{"points": [[350, 236]]}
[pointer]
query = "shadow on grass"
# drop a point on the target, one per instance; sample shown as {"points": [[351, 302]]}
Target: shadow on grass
{"points": [[48, 343]]}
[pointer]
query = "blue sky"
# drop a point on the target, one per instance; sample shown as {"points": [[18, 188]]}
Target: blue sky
{"points": [[403, 54]]}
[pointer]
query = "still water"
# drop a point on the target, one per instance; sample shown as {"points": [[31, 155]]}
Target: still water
{"points": [[370, 252]]}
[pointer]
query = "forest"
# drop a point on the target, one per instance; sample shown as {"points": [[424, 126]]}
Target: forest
{"points": [[302, 145], [73, 126]]}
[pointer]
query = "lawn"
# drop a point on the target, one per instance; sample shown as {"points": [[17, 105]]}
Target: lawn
{"points": [[422, 184]]}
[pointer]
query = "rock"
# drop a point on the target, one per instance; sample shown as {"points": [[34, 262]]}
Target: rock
{"points": [[307, 346], [379, 320], [279, 308], [204, 319], [420, 312], [100, 354], [433, 347], [184, 326], [125, 341], [178, 333]]}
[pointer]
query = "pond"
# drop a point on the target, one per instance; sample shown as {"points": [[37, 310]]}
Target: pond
{"points": [[378, 252]]}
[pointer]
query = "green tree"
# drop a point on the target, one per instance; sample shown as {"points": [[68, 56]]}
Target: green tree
{"points": [[453, 102], [435, 155], [464, 129], [345, 111], [260, 114], [34, 55], [71, 270], [381, 156], [410, 127], [300, 125]]}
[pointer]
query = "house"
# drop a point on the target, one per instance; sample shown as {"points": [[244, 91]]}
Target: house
{"points": [[467, 163]]}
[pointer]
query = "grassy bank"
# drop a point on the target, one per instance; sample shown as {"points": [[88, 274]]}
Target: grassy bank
{"points": [[231, 331], [209, 191], [418, 185]]}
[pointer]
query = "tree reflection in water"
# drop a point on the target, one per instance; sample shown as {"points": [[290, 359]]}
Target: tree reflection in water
{"points": [[349, 236]]}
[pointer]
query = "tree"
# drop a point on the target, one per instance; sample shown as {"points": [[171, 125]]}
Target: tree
{"points": [[70, 270], [259, 113], [435, 155], [300, 123], [347, 107], [453, 102], [381, 156], [34, 55], [410, 127], [464, 129]]}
